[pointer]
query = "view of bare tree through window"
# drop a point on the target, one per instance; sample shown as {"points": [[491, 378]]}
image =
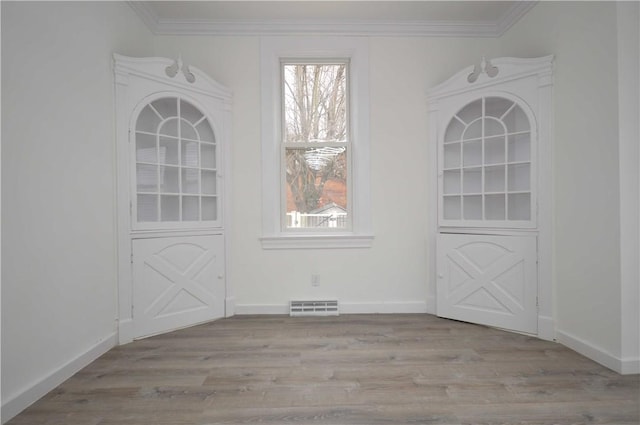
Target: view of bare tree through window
{"points": [[315, 141]]}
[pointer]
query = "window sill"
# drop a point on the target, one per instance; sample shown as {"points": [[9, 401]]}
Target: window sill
{"points": [[316, 241]]}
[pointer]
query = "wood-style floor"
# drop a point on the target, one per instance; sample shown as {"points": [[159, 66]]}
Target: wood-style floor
{"points": [[360, 369]]}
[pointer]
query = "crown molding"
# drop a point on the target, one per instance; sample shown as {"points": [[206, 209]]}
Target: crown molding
{"points": [[265, 27]]}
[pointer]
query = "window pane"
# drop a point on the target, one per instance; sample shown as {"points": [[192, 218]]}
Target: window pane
{"points": [[316, 192], [315, 102]]}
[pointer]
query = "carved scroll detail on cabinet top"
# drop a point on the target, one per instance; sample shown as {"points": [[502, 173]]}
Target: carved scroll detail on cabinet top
{"points": [[486, 66], [177, 65]]}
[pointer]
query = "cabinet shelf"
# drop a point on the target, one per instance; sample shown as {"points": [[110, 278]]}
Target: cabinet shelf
{"points": [[515, 133], [473, 167]]}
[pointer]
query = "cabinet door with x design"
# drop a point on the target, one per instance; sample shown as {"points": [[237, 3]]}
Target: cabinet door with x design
{"points": [[176, 282], [490, 280]]}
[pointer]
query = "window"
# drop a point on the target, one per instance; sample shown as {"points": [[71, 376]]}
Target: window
{"points": [[315, 143]]}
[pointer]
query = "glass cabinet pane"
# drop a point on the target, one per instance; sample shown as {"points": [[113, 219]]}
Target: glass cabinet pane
{"points": [[472, 207], [208, 155], [472, 153], [494, 150], [168, 150], [148, 120], [474, 131], [167, 107], [169, 180], [518, 177], [190, 153], [208, 179], [471, 112], [205, 132], [494, 178], [492, 127], [452, 208], [190, 180], [494, 207], [516, 120], [189, 112], [169, 127], [451, 181], [454, 131], [146, 178], [452, 155], [519, 206], [169, 208], [496, 106], [472, 180], [147, 207], [187, 131], [519, 147], [190, 208], [146, 148], [209, 208]]}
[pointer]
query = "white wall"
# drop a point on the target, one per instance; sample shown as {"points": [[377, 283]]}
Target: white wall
{"points": [[390, 276], [58, 227], [629, 118], [583, 36]]}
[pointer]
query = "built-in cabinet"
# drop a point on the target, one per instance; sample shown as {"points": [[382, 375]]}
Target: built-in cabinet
{"points": [[173, 159], [489, 125]]}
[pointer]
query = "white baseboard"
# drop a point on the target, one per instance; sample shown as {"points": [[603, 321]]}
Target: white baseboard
{"points": [[229, 306], [125, 331], [37, 390], [262, 309], [431, 306], [393, 307], [597, 354], [345, 308], [546, 329]]}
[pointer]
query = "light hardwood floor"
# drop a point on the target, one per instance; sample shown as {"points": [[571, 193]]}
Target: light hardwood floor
{"points": [[359, 369]]}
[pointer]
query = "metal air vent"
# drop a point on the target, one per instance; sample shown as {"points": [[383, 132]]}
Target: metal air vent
{"points": [[313, 308]]}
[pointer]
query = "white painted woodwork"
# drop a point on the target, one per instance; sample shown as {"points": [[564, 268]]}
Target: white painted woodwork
{"points": [[272, 50], [173, 143], [176, 282], [490, 280], [491, 152], [417, 19]]}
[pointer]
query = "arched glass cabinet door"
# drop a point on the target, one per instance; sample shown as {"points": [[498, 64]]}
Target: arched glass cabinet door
{"points": [[176, 166], [487, 165]]}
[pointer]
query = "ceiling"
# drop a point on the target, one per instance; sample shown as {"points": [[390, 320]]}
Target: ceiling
{"points": [[239, 17]]}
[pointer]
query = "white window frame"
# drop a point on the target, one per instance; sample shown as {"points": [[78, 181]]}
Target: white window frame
{"points": [[273, 51]]}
